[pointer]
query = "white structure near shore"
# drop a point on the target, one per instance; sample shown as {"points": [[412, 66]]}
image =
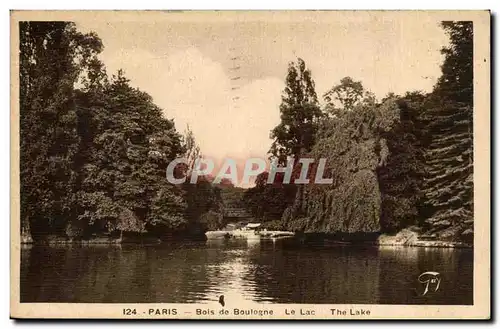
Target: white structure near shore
{"points": [[249, 231]]}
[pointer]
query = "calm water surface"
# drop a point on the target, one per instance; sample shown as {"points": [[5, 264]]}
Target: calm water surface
{"points": [[283, 271]]}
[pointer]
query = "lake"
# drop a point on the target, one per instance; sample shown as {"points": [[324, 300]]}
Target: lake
{"points": [[266, 271]]}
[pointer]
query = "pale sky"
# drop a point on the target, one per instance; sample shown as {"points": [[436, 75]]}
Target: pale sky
{"points": [[188, 66]]}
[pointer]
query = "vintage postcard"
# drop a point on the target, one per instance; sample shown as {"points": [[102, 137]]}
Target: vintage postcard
{"points": [[250, 164]]}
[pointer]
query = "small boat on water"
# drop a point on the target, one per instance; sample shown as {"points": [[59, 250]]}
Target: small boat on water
{"points": [[276, 234], [217, 234], [247, 234], [249, 231]]}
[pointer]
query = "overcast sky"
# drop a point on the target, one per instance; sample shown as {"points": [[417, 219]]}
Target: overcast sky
{"points": [[224, 77]]}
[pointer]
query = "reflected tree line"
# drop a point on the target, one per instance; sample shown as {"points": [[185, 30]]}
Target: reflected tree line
{"points": [[280, 272]]}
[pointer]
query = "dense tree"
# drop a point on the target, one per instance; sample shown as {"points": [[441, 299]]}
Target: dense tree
{"points": [[354, 148], [449, 146], [192, 149], [295, 135], [128, 221], [401, 178], [299, 114], [131, 149], [232, 196], [346, 96], [94, 151], [203, 198], [409, 158], [268, 201], [456, 81], [52, 55]]}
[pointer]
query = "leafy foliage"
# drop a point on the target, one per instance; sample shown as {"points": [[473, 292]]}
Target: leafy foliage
{"points": [[52, 56], [354, 148], [293, 136], [299, 114], [268, 201], [93, 158], [202, 198], [404, 161], [94, 151], [448, 185], [192, 152], [346, 96], [456, 81], [401, 177]]}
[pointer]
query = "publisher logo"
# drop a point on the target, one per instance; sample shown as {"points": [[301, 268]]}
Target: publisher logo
{"points": [[430, 281]]}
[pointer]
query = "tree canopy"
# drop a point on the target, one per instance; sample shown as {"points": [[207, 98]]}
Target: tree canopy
{"points": [[94, 149], [406, 160], [300, 112]]}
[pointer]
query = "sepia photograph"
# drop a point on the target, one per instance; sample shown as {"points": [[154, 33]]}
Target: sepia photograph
{"points": [[250, 164]]}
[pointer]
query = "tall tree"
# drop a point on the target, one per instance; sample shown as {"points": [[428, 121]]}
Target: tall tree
{"points": [[131, 149], [346, 96], [449, 181], [456, 81], [192, 148], [53, 55], [94, 151], [400, 180], [203, 200], [300, 112], [354, 147]]}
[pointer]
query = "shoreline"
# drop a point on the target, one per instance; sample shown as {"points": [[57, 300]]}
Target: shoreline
{"points": [[429, 244], [412, 238], [407, 237], [382, 241]]}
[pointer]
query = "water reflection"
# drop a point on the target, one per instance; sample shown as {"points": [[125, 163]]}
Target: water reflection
{"points": [[402, 266], [315, 275], [281, 271]]}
